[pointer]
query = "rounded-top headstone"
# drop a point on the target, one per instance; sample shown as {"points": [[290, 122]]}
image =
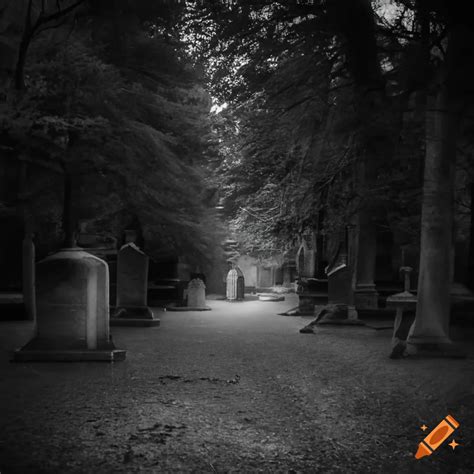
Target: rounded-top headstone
{"points": [[72, 301], [235, 285], [196, 293]]}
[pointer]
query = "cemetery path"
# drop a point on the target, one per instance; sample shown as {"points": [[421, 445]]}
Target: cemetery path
{"points": [[236, 389]]}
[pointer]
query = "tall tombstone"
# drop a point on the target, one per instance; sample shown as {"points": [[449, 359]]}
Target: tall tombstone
{"points": [[72, 310], [341, 281], [132, 288]]}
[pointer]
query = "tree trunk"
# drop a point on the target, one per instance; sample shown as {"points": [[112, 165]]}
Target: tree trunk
{"points": [[431, 324], [20, 65], [355, 19], [19, 78], [470, 264]]}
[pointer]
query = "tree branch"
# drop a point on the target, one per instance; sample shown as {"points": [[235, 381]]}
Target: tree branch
{"points": [[58, 14]]}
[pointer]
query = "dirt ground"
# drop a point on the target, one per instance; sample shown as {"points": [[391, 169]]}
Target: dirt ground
{"points": [[236, 389]]}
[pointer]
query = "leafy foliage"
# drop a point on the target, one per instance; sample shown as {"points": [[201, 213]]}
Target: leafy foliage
{"points": [[128, 121]]}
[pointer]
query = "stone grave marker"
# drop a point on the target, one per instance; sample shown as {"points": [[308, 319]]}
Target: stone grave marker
{"points": [[72, 300], [132, 288], [196, 293], [235, 285]]}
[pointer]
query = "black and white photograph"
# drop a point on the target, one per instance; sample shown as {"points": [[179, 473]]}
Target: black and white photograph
{"points": [[236, 236]]}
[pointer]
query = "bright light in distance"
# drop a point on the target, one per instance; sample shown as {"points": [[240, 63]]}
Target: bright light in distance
{"points": [[218, 108]]}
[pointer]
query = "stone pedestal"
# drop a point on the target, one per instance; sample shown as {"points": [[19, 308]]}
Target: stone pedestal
{"points": [[405, 305], [72, 310], [132, 289]]}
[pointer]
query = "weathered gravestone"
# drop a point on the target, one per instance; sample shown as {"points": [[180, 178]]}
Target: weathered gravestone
{"points": [[196, 293], [72, 288], [235, 285], [132, 288], [341, 282], [195, 296], [311, 291]]}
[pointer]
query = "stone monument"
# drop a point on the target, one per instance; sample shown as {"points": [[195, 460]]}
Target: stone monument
{"points": [[195, 296], [132, 288], [196, 293], [72, 310], [341, 282], [235, 285]]}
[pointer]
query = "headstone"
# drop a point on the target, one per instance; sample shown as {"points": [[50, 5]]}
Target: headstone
{"points": [[339, 285], [72, 310], [341, 276], [311, 292], [235, 285], [132, 287], [196, 293]]}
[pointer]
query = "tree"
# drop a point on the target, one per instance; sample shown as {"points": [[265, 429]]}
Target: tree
{"points": [[91, 110], [446, 95]]}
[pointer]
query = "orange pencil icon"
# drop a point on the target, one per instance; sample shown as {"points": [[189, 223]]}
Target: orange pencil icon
{"points": [[436, 438]]}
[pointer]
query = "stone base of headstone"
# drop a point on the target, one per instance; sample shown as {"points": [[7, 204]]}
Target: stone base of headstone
{"points": [[338, 314], [312, 292], [32, 354], [172, 307], [134, 316], [335, 314], [366, 297], [307, 303], [270, 297], [436, 350]]}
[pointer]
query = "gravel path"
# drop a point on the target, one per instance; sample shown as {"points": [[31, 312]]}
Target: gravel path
{"points": [[236, 389]]}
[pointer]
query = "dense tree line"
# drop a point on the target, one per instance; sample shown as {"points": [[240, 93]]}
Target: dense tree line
{"points": [[356, 110], [101, 105], [345, 112]]}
